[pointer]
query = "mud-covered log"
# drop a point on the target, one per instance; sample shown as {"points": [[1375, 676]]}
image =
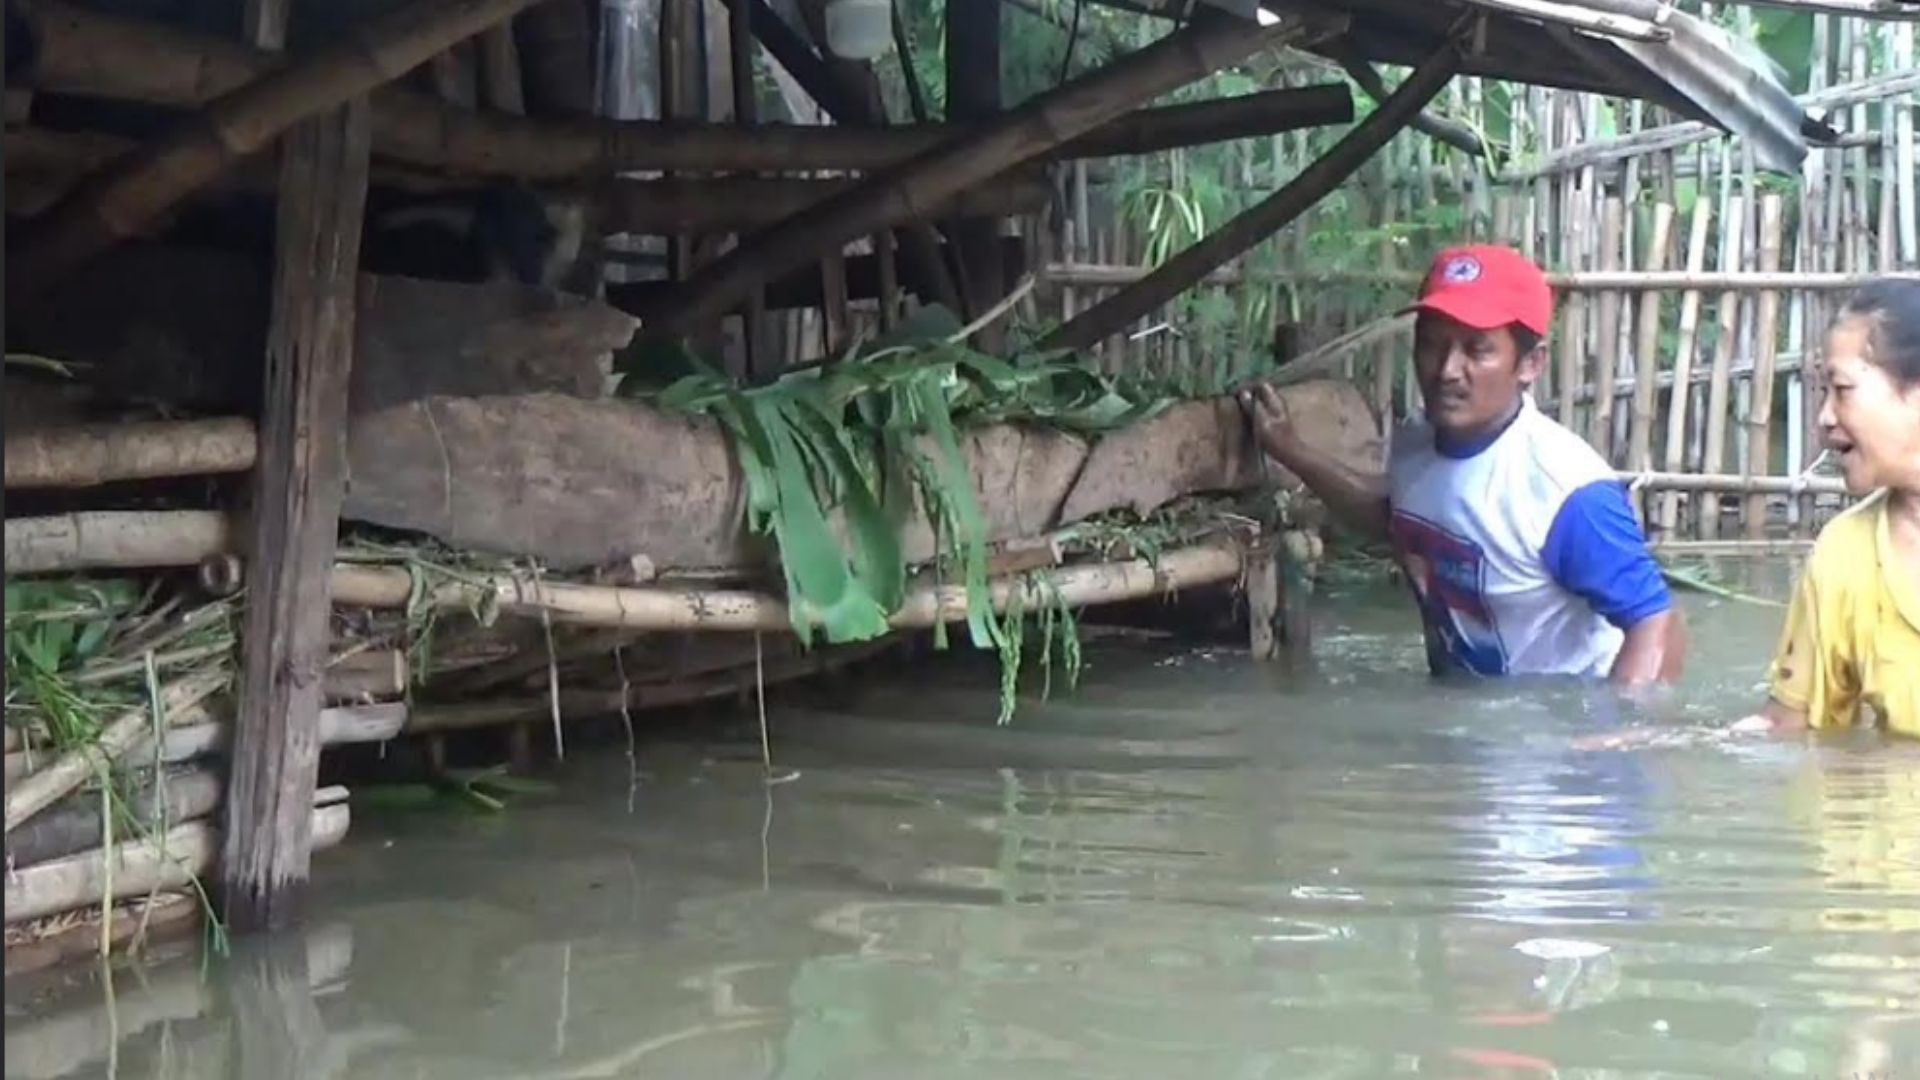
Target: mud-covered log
{"points": [[577, 483], [188, 327], [1206, 446], [586, 483]]}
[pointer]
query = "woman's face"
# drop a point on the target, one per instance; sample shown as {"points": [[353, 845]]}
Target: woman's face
{"points": [[1867, 419]]}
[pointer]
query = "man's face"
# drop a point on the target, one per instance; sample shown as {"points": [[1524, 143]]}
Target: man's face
{"points": [[1472, 379]]}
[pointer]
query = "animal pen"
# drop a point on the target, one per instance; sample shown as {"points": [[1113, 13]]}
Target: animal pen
{"points": [[800, 409]]}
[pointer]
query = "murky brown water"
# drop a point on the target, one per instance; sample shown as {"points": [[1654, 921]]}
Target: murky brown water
{"points": [[1193, 868]]}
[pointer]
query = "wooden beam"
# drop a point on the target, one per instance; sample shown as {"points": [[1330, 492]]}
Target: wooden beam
{"points": [[187, 70], [1264, 218], [974, 97], [1209, 43], [298, 486], [115, 202]]}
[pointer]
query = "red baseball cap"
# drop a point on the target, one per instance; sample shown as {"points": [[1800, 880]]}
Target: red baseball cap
{"points": [[1486, 286]]}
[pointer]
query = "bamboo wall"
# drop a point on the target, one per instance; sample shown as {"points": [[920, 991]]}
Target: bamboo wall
{"points": [[1675, 265]]}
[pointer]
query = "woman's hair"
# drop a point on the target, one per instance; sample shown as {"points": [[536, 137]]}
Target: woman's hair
{"points": [[1891, 309]]}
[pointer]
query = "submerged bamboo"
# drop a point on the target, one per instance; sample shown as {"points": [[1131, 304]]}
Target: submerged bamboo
{"points": [[170, 861], [42, 789]]}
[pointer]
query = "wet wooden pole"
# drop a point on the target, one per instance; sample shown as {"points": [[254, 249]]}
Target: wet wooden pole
{"points": [[299, 481]]}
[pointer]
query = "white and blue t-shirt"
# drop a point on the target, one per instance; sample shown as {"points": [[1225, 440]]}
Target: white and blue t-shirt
{"points": [[1523, 553]]}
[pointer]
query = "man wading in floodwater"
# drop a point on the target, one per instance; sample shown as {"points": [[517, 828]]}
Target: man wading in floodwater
{"points": [[1517, 538]]}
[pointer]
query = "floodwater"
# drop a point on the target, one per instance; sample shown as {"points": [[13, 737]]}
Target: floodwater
{"points": [[1194, 867]]}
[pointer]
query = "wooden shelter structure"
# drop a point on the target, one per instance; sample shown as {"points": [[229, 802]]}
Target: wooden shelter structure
{"points": [[118, 124]]}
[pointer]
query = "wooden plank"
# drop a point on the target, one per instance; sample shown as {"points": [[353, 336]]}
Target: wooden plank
{"points": [[298, 487], [974, 97], [1676, 444], [1766, 346], [1646, 389]]}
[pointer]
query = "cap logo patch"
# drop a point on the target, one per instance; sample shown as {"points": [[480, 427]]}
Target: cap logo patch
{"points": [[1460, 269]]}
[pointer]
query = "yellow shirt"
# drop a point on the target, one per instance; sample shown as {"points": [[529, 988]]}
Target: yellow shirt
{"points": [[1852, 636]]}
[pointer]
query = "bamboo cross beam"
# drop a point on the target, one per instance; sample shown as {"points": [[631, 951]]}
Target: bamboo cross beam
{"points": [[119, 199], [1674, 136], [1578, 281], [160, 65], [1263, 219], [1211, 42]]}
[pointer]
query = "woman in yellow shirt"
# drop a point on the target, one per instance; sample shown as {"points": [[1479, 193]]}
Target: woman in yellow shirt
{"points": [[1851, 644]]}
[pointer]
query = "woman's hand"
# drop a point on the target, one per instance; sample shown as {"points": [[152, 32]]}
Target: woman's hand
{"points": [[1772, 719]]}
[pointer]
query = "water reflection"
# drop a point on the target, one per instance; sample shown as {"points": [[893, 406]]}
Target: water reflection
{"points": [[1200, 868]]}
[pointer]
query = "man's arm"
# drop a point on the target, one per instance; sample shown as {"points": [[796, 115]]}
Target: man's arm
{"points": [[1357, 499], [1596, 551], [1655, 651]]}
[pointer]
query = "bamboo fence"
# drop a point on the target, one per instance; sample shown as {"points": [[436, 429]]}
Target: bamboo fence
{"points": [[1693, 292]]}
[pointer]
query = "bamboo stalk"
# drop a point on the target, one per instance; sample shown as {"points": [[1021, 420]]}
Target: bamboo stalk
{"points": [[172, 861], [1646, 349], [1676, 444], [115, 539], [729, 610], [40, 790], [1264, 218], [74, 824], [1734, 484], [94, 54], [93, 454], [1096, 275], [1688, 133], [1766, 347], [199, 732], [117, 201], [373, 674], [1005, 142], [1732, 236], [1607, 365]]}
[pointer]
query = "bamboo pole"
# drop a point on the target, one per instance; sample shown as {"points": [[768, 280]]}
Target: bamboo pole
{"points": [[1097, 275], [93, 454], [1210, 42], [1608, 361], [1766, 346], [175, 860], [1688, 133], [1734, 484], [75, 823], [1676, 444], [95, 54], [729, 610], [44, 788], [119, 200], [1264, 218], [1732, 236], [1647, 348], [115, 540]]}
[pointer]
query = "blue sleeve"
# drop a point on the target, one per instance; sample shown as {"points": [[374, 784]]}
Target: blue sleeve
{"points": [[1596, 551]]}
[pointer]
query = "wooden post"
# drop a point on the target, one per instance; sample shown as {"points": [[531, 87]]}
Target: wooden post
{"points": [[973, 97], [1607, 365], [1766, 342], [1264, 218], [1263, 602], [298, 486]]}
